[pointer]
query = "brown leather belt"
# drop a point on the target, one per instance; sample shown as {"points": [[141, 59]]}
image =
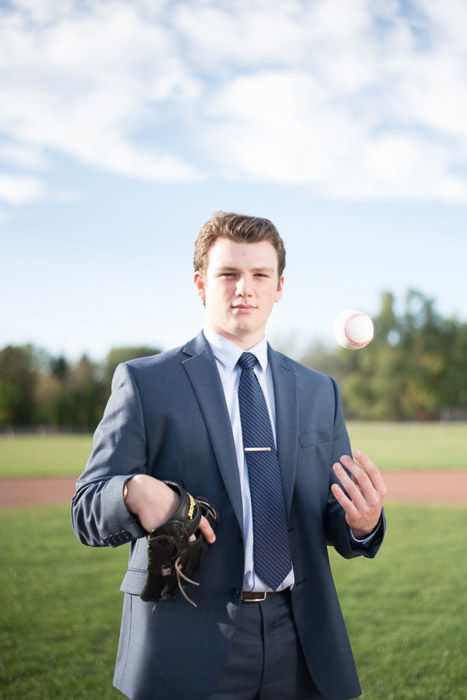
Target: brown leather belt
{"points": [[258, 597]]}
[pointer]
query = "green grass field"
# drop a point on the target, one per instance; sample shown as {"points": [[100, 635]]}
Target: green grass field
{"points": [[393, 446], [44, 455], [412, 446], [405, 610]]}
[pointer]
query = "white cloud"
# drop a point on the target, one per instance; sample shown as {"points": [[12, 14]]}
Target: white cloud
{"points": [[399, 167], [16, 189], [447, 21], [355, 98], [377, 111], [277, 126], [84, 84]]}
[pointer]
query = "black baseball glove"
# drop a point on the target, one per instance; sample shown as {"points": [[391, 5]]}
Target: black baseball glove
{"points": [[172, 556]]}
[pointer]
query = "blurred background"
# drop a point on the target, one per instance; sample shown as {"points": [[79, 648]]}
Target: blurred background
{"points": [[123, 127]]}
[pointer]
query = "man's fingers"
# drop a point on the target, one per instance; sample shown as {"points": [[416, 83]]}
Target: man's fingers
{"points": [[353, 487], [367, 476], [371, 471], [365, 488], [344, 501], [206, 529]]}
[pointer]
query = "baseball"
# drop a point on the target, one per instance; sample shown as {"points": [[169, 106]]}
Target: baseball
{"points": [[353, 329]]}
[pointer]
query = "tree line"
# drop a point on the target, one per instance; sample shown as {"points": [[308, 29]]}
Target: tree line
{"points": [[415, 369], [40, 389]]}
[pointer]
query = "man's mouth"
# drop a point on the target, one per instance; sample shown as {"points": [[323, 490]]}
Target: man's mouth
{"points": [[243, 307]]}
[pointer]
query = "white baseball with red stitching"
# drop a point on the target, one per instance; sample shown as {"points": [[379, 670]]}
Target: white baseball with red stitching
{"points": [[353, 329]]}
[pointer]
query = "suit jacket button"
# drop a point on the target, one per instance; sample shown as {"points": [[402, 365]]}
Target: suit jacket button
{"points": [[234, 593]]}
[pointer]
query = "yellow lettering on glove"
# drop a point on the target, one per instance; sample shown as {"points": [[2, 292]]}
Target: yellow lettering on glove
{"points": [[192, 506]]}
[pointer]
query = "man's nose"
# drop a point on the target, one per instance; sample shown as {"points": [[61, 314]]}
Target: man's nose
{"points": [[243, 287]]}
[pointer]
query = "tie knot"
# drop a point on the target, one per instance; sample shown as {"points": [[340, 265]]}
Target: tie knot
{"points": [[247, 360]]}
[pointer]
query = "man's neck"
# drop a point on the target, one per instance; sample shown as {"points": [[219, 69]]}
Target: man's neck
{"points": [[245, 343]]}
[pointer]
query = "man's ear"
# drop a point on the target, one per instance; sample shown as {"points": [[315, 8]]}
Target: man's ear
{"points": [[280, 287], [199, 284]]}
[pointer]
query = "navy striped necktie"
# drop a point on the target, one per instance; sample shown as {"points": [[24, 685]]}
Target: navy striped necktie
{"points": [[271, 548]]}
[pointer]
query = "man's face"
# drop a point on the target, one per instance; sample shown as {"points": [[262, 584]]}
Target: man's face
{"points": [[239, 287]]}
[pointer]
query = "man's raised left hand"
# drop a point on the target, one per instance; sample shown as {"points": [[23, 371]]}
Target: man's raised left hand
{"points": [[365, 489]]}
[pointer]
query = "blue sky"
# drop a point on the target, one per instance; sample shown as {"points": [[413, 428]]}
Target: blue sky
{"points": [[124, 125]]}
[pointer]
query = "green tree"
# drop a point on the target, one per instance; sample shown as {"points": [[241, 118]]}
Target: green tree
{"points": [[18, 379], [80, 403], [59, 367]]}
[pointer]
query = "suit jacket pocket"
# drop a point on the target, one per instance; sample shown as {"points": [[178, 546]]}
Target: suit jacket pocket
{"points": [[313, 437], [133, 581]]}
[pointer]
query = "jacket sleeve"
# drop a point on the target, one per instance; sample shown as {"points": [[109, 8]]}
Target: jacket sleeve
{"points": [[99, 513], [338, 533]]}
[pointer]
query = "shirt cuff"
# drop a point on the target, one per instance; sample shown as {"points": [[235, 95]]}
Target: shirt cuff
{"points": [[368, 538]]}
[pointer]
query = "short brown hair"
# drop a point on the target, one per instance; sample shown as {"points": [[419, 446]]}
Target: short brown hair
{"points": [[240, 228]]}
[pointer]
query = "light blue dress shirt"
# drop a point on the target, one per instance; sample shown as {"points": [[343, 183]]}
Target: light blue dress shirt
{"points": [[227, 355]]}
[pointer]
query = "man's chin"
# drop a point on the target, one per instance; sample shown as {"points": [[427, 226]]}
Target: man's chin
{"points": [[243, 327], [246, 332]]}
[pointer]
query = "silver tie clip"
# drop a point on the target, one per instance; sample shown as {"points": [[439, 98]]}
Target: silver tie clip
{"points": [[257, 449]]}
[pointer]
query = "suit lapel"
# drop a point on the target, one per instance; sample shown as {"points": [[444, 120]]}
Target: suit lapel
{"points": [[200, 366], [285, 396]]}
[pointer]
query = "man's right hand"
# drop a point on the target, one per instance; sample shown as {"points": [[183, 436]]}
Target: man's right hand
{"points": [[153, 502]]}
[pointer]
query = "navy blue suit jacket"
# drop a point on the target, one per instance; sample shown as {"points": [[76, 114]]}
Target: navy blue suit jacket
{"points": [[167, 417]]}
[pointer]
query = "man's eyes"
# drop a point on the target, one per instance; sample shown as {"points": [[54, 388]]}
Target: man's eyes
{"points": [[235, 274]]}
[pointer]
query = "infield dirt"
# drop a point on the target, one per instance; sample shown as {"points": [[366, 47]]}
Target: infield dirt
{"points": [[405, 487]]}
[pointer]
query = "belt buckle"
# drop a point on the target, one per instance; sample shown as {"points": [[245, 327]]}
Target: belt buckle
{"points": [[259, 599]]}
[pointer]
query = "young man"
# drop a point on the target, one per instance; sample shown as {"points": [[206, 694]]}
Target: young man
{"points": [[268, 623]]}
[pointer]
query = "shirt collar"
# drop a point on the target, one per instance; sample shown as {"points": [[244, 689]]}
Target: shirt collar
{"points": [[228, 353]]}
